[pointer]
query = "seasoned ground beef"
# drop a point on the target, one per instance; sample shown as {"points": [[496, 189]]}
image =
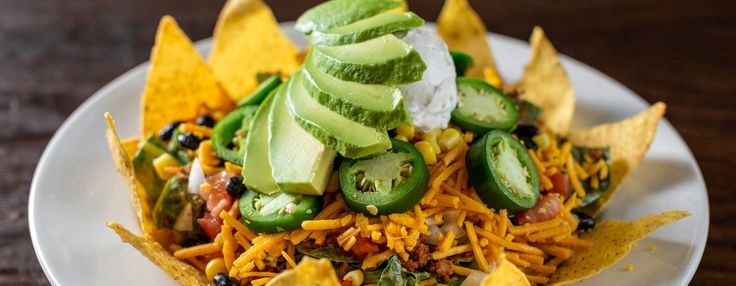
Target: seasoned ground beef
{"points": [[442, 268], [418, 257]]}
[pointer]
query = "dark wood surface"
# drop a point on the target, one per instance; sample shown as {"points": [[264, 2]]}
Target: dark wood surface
{"points": [[54, 54]]}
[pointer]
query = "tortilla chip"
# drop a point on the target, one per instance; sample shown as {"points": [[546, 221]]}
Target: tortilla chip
{"points": [[309, 272], [247, 41], [179, 82], [612, 240], [464, 31], [130, 145], [505, 274], [545, 84], [628, 139], [183, 272], [120, 155]]}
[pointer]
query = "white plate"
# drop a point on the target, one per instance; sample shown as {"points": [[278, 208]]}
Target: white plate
{"points": [[76, 189]]}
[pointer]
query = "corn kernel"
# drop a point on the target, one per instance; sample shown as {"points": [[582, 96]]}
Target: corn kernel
{"points": [[215, 266], [406, 130], [160, 164], [355, 276], [449, 139], [427, 152], [431, 138], [542, 140], [402, 138]]}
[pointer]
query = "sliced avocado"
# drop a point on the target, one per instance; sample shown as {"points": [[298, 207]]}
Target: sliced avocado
{"points": [[145, 173], [338, 13], [373, 105], [300, 163], [384, 60], [256, 165], [366, 29], [349, 138]]}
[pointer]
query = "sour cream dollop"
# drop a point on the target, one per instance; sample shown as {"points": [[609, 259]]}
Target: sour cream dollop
{"points": [[431, 100]]}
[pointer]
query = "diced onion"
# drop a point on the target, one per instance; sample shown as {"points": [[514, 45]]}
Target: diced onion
{"points": [[474, 279], [184, 220], [196, 177]]}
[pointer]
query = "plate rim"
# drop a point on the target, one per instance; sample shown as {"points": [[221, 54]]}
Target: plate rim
{"points": [[200, 45]]}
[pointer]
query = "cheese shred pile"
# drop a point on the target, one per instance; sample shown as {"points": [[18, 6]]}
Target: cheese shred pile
{"points": [[536, 248]]}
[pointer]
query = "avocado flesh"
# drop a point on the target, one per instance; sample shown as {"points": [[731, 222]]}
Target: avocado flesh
{"points": [[300, 163], [338, 13], [378, 25], [256, 165], [349, 138], [373, 105], [145, 173], [384, 60]]}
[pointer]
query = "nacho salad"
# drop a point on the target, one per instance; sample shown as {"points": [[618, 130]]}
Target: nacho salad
{"points": [[384, 153]]}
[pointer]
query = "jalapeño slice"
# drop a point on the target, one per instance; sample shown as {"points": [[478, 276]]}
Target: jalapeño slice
{"points": [[502, 172], [277, 212], [260, 93], [390, 182], [232, 129], [462, 62], [482, 107]]}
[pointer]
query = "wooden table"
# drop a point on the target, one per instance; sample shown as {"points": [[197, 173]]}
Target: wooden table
{"points": [[54, 54]]}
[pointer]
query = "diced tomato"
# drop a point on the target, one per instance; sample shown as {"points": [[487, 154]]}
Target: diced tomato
{"points": [[363, 247], [210, 224], [547, 208], [560, 184], [216, 197]]}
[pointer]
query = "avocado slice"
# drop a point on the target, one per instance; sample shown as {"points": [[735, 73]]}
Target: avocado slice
{"points": [[300, 163], [349, 138], [145, 173], [373, 105], [256, 165], [366, 29], [383, 60], [337, 13]]}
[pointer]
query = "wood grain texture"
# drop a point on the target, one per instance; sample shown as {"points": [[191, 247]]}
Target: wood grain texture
{"points": [[55, 54]]}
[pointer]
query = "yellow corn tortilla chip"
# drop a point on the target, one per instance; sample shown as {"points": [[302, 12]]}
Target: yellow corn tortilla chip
{"points": [[309, 272], [546, 84], [130, 145], [179, 82], [612, 240], [462, 30], [183, 272], [628, 139], [247, 40], [121, 155], [506, 274]]}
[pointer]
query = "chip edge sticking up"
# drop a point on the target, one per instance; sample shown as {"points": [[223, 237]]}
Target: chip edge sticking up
{"points": [[308, 272], [505, 274], [178, 92], [463, 30], [180, 270], [580, 265], [234, 50], [546, 84], [628, 139]]}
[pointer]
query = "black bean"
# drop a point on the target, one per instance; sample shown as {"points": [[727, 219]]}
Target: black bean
{"points": [[585, 221], [221, 279], [205, 120], [168, 130], [235, 187], [189, 141], [526, 131]]}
